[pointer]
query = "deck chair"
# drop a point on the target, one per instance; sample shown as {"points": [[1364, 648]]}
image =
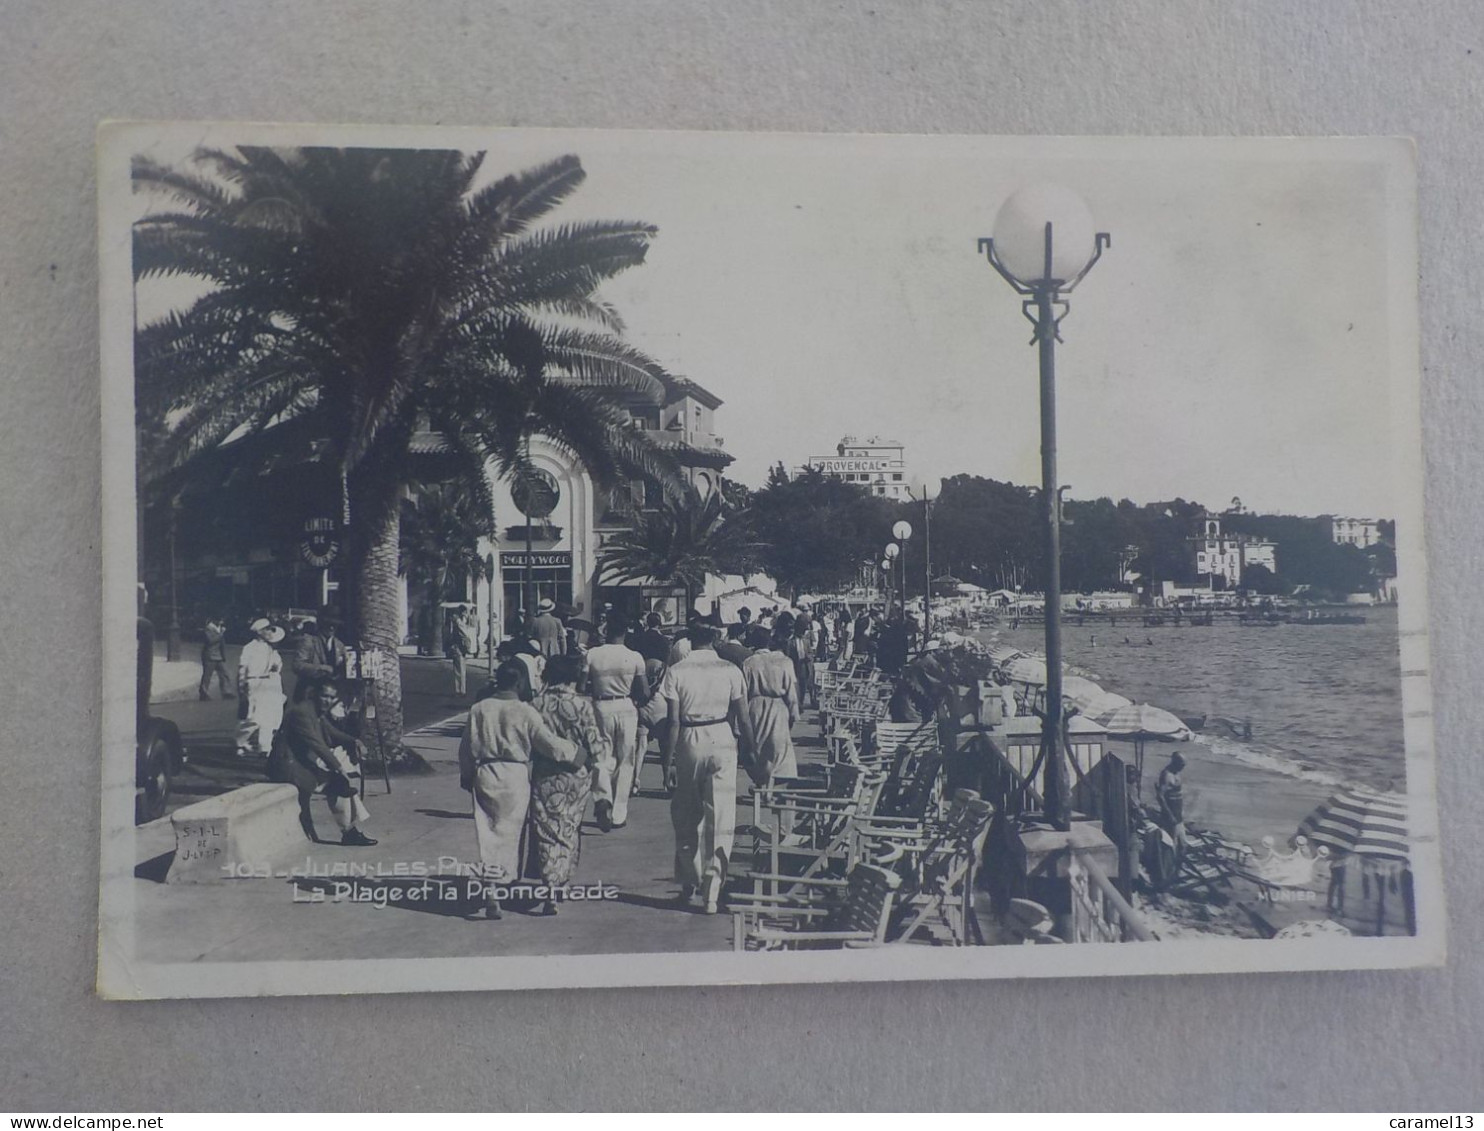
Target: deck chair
{"points": [[937, 895], [823, 914], [840, 784], [886, 740], [812, 837]]}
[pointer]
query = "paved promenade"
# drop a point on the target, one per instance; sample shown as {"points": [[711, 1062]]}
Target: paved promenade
{"points": [[423, 826]]}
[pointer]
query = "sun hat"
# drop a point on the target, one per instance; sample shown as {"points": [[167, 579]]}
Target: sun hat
{"points": [[267, 630], [545, 605]]}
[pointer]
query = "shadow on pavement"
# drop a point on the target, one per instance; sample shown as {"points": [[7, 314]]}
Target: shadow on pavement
{"points": [[155, 868], [447, 814], [655, 903]]}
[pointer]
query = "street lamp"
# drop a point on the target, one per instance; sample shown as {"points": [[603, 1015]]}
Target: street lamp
{"points": [[1044, 243], [927, 563], [902, 532], [892, 552], [885, 581]]}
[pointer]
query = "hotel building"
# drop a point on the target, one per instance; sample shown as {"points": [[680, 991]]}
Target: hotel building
{"points": [[573, 518], [1359, 532], [1227, 556], [871, 462]]}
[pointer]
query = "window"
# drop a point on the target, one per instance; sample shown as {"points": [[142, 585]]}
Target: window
{"points": [[896, 476]]}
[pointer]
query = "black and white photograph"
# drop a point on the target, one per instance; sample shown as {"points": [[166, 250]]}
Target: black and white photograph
{"points": [[563, 558]]}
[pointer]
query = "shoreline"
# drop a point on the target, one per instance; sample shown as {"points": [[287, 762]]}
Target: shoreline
{"points": [[1240, 799]]}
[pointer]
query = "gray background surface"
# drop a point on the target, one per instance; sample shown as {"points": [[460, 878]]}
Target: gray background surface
{"points": [[1388, 1041]]}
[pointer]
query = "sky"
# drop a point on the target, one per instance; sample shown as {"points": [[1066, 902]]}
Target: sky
{"points": [[1250, 332]]}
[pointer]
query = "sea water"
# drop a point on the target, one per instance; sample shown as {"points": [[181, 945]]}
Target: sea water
{"points": [[1323, 701]]}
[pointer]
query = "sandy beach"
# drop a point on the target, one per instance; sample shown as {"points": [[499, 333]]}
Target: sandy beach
{"points": [[1244, 803]]}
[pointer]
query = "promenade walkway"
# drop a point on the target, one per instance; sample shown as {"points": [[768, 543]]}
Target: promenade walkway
{"points": [[425, 826]]}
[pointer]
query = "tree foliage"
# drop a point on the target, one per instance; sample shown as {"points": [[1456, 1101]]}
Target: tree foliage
{"points": [[356, 297], [992, 534], [679, 544], [816, 532], [439, 542]]}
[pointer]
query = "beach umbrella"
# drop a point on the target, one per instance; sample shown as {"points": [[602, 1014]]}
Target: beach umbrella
{"points": [[1003, 653], [1074, 685], [1372, 827], [1142, 721], [1361, 821], [1026, 669], [1095, 706]]}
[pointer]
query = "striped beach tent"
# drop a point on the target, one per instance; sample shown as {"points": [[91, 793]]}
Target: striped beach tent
{"points": [[1362, 821]]}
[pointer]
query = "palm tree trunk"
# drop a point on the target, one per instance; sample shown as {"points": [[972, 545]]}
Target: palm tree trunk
{"points": [[375, 613], [377, 624]]}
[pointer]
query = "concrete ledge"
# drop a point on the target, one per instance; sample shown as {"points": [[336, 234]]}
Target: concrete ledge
{"points": [[1045, 851], [247, 831]]}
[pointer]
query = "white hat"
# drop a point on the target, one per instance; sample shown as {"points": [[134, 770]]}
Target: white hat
{"points": [[545, 605], [267, 629]]}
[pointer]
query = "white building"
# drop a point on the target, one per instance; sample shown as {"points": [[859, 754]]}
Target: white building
{"points": [[1228, 556], [871, 462], [1359, 532], [571, 518]]}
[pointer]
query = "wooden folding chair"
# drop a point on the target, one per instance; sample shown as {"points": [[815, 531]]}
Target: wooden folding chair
{"points": [[824, 913], [938, 878]]}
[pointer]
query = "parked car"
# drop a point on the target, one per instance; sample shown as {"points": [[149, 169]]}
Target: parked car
{"points": [[158, 750]]}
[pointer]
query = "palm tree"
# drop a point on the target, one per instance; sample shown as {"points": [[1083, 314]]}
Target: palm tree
{"points": [[440, 529], [679, 544], [362, 296]]}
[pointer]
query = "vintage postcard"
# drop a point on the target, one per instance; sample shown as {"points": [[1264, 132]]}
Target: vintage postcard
{"points": [[552, 558]]}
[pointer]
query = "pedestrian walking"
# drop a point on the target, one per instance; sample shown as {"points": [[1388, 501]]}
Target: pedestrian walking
{"points": [[801, 655], [615, 680], [773, 707], [733, 649], [706, 700], [501, 737], [653, 716], [559, 789], [653, 644], [547, 631], [463, 642], [214, 659], [260, 698]]}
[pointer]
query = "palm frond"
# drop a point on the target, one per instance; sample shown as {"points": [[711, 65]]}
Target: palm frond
{"points": [[510, 205]]}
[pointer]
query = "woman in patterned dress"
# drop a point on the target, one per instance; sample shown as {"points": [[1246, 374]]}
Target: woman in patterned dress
{"points": [[559, 790]]}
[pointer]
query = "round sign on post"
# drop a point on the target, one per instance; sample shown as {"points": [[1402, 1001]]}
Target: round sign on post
{"points": [[535, 493], [320, 544]]}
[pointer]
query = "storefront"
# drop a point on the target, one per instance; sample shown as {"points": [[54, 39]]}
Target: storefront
{"points": [[545, 538], [543, 575]]}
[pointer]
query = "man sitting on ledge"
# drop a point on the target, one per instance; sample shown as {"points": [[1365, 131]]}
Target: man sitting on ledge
{"points": [[313, 754]]}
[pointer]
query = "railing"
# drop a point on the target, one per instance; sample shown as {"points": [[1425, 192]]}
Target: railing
{"points": [[1099, 913]]}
